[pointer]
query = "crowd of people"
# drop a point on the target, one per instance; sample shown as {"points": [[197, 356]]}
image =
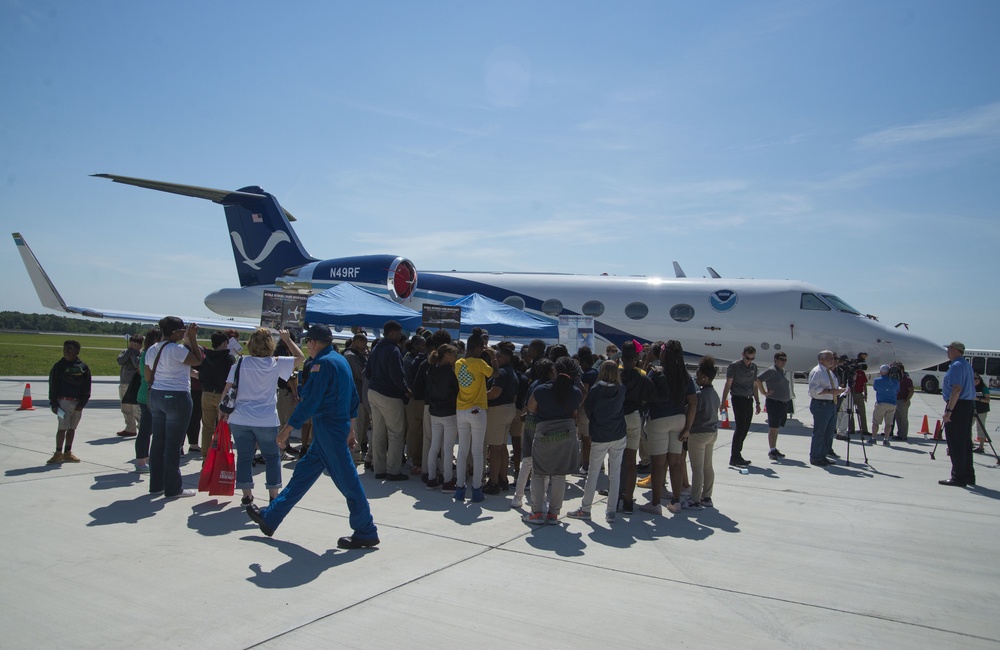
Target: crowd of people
{"points": [[523, 420]]}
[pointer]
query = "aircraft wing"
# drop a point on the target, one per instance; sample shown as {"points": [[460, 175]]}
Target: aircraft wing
{"points": [[216, 196], [50, 298]]}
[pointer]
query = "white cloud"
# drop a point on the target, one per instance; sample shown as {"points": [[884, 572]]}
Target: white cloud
{"points": [[983, 121]]}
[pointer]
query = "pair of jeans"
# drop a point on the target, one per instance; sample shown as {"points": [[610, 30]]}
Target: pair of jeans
{"points": [[471, 435], [742, 416], [824, 428], [171, 412], [598, 450], [145, 428], [246, 439]]}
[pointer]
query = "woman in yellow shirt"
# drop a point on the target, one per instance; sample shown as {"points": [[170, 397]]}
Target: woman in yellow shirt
{"points": [[472, 372]]}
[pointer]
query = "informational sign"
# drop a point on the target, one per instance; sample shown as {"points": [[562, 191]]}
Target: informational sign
{"points": [[282, 311], [443, 317], [576, 332]]}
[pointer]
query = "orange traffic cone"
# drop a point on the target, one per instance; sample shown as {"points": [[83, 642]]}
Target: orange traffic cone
{"points": [[26, 400], [923, 427], [937, 430], [725, 411]]}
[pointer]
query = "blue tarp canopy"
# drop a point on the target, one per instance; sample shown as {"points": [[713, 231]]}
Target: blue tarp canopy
{"points": [[500, 319], [348, 305]]}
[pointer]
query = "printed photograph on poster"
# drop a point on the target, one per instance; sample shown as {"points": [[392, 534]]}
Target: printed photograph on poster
{"points": [[443, 317], [576, 332], [282, 310]]}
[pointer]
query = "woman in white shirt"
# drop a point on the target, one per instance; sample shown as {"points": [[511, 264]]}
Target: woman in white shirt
{"points": [[254, 422], [168, 372]]}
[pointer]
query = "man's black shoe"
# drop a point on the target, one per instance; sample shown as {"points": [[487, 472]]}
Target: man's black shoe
{"points": [[381, 475], [840, 436], [820, 463], [396, 477], [368, 465], [254, 513], [357, 542], [491, 488], [952, 482], [739, 462], [832, 454]]}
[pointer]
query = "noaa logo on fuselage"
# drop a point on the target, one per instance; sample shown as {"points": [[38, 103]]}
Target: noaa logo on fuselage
{"points": [[723, 299]]}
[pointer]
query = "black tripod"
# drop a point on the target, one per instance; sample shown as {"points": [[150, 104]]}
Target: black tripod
{"points": [[851, 410], [988, 439]]}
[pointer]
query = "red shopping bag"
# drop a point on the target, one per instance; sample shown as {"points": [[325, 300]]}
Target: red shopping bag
{"points": [[218, 476]]}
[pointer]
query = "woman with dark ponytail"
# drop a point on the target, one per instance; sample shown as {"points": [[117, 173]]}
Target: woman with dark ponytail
{"points": [[555, 449]]}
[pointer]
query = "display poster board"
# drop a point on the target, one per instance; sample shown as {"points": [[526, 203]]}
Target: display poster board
{"points": [[576, 332], [443, 317], [282, 311]]}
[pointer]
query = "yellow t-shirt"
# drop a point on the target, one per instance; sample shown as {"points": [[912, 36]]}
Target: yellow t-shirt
{"points": [[472, 375]]}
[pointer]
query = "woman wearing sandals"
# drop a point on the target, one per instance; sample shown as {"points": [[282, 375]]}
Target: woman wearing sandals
{"points": [[254, 422], [555, 449], [605, 407]]}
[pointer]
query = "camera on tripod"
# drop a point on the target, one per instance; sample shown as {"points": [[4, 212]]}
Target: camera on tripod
{"points": [[896, 370]]}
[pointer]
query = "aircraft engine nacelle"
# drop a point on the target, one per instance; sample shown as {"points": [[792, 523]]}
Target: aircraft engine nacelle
{"points": [[397, 275]]}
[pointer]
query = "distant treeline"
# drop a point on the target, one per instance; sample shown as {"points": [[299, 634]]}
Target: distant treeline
{"points": [[15, 320]]}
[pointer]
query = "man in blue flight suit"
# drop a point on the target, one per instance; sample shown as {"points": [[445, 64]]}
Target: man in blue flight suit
{"points": [[330, 399]]}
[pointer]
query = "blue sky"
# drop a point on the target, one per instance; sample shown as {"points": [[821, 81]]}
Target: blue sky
{"points": [[853, 145]]}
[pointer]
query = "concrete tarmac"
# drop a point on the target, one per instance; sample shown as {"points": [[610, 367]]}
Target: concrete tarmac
{"points": [[875, 555]]}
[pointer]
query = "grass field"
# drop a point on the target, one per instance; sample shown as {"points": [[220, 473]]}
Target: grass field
{"points": [[34, 354]]}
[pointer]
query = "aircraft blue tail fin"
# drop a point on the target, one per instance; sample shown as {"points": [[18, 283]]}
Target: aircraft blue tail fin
{"points": [[264, 244]]}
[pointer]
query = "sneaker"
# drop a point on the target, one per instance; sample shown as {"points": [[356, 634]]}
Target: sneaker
{"points": [[652, 509], [245, 501], [579, 513], [642, 468], [691, 505], [628, 506], [885, 443], [841, 436], [477, 495], [126, 434], [610, 517], [977, 450], [191, 448], [56, 459], [774, 454], [832, 454], [183, 493], [535, 518], [460, 494], [516, 502], [142, 469], [552, 519], [68, 457], [674, 506], [644, 483], [491, 488], [433, 484], [448, 487], [686, 492], [707, 502]]}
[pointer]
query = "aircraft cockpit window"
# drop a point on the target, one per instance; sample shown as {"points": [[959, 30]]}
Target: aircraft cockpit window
{"points": [[840, 305], [593, 308], [682, 313], [636, 310], [552, 307], [812, 302], [517, 302]]}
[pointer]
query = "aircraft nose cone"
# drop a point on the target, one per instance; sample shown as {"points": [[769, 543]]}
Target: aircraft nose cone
{"points": [[915, 352]]}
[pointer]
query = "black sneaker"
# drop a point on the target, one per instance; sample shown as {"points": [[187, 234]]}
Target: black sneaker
{"points": [[433, 484], [832, 454], [449, 486], [491, 488], [739, 462]]}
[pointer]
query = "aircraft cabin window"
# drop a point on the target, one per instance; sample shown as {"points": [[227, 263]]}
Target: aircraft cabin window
{"points": [[593, 308], [517, 302], [682, 313], [812, 302], [636, 310], [552, 307], [765, 346], [777, 346], [840, 305]]}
